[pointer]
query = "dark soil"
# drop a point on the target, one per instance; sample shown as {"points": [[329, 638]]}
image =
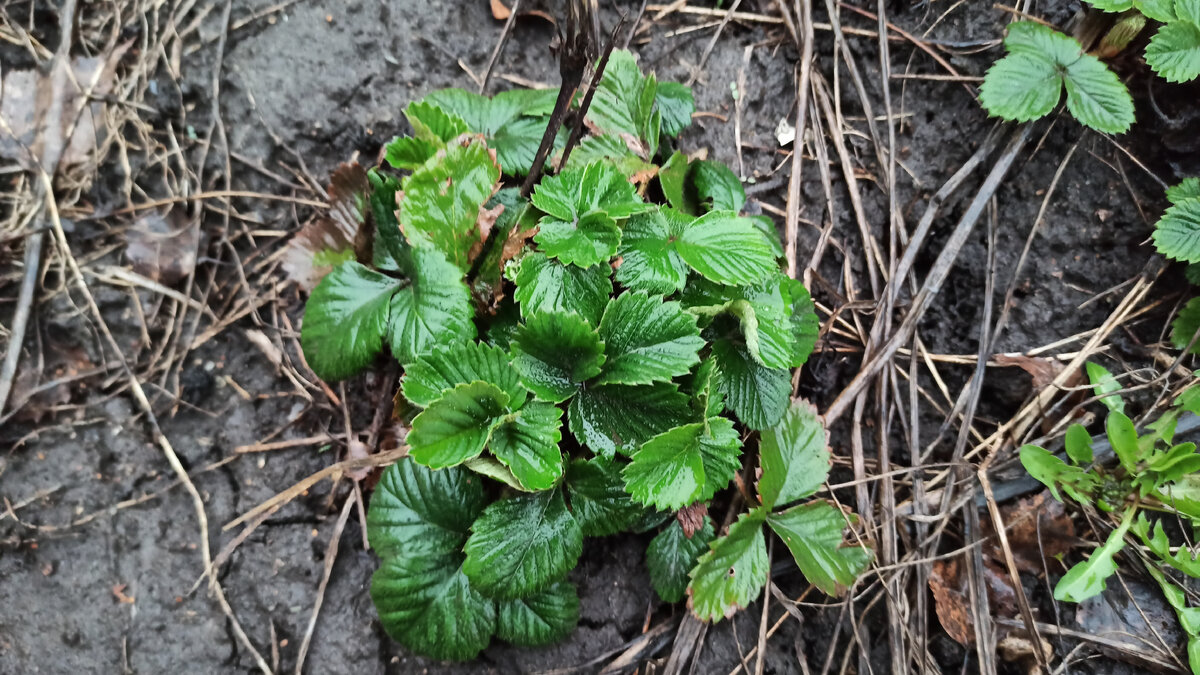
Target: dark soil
{"points": [[330, 79]]}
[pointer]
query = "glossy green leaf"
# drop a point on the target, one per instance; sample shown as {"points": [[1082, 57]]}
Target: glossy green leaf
{"points": [[597, 496], [1186, 325], [618, 418], [1104, 384], [426, 604], [757, 395], [389, 245], [684, 465], [647, 340], [432, 307], [1159, 10], [428, 378], [706, 390], [813, 533], [733, 571], [1097, 97], [715, 187], [545, 285], [1042, 41], [794, 456], [1079, 445], [1155, 539], [625, 100], [596, 187], [433, 128], [1087, 579], [727, 249], [767, 228], [555, 353], [671, 555], [1115, 6], [590, 240], [513, 122], [415, 510], [490, 467], [522, 545], [1124, 439], [1021, 87], [407, 153], [1177, 234], [1174, 51], [541, 619], [456, 427], [676, 103], [345, 320], [527, 443], [649, 261]]}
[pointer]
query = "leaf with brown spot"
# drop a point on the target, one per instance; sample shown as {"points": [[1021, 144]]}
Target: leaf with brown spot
{"points": [[336, 236]]}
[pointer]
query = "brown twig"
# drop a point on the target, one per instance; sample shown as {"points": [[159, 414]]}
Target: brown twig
{"points": [[504, 33]]}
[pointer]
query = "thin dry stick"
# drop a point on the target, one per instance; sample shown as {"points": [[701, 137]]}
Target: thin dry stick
{"points": [[713, 43], [330, 557], [792, 224], [504, 33]]}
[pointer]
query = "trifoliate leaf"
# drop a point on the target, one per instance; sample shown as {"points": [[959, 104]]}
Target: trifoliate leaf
{"points": [[806, 328], [555, 353], [1177, 234], [726, 248], [715, 187], [1174, 51], [596, 187], [1097, 97], [446, 367], [1104, 384], [1185, 326], [513, 122], [442, 199], [345, 320], [813, 533], [794, 456], [1160, 10], [455, 427], [617, 418], [538, 620], [672, 177], [647, 340], [591, 239], [522, 545], [598, 499], [684, 465], [649, 261], [1021, 87], [426, 604], [432, 308], [1189, 188], [676, 104], [545, 285], [671, 555], [757, 395], [1086, 579], [415, 510], [732, 573], [527, 443]]}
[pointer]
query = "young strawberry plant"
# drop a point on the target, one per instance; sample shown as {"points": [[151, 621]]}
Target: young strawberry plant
{"points": [[585, 361]]}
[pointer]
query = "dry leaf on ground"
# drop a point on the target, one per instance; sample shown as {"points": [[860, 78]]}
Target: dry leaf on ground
{"points": [[163, 247]]}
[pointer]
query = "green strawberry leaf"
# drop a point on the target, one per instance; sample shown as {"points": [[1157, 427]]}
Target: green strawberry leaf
{"points": [[624, 102], [767, 228], [757, 395], [676, 103], [345, 320], [1021, 87], [1097, 97], [1174, 51], [671, 555], [545, 285], [446, 367], [618, 418], [612, 149], [1185, 326], [1086, 579], [591, 239], [456, 427], [727, 249], [706, 390], [406, 153], [527, 443], [555, 353], [522, 545], [418, 511], [806, 328], [513, 122], [715, 187], [1189, 188], [598, 499], [1162, 11], [649, 261], [672, 177], [1039, 40], [389, 245], [599, 186], [433, 128], [538, 620], [426, 604], [647, 340], [794, 456], [442, 199], [432, 308], [733, 571], [684, 465], [1114, 6], [1177, 234], [489, 466], [813, 533]]}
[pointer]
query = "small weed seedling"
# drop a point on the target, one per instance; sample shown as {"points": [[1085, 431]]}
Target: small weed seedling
{"points": [[581, 363], [1153, 474]]}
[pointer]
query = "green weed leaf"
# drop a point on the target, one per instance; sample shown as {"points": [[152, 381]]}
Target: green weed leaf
{"points": [[345, 320], [1174, 51], [545, 285], [1155, 539], [649, 261], [794, 456], [430, 376], [555, 353], [522, 545], [541, 619], [1185, 326], [1177, 234], [813, 533], [598, 499], [1104, 384], [647, 340], [1124, 439], [456, 427], [1079, 445], [671, 555], [733, 571], [1086, 579], [684, 465], [618, 418], [426, 604], [527, 443], [432, 308], [1054, 473], [757, 395], [418, 511], [727, 249]]}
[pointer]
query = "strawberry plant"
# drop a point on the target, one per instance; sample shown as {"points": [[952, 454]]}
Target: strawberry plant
{"points": [[586, 360]]}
